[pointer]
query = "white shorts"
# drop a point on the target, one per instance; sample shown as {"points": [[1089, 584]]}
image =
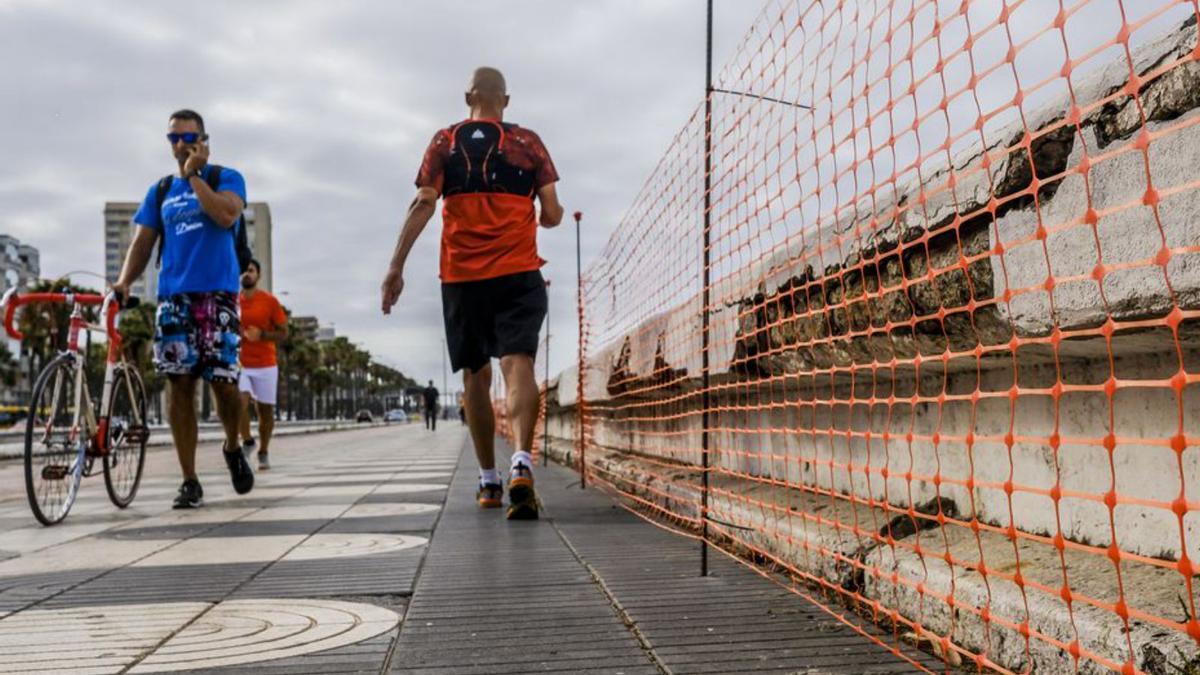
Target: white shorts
{"points": [[260, 383]]}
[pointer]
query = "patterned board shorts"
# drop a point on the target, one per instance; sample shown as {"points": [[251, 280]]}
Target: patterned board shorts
{"points": [[198, 334]]}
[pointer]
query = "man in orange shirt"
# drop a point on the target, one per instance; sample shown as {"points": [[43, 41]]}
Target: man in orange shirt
{"points": [[489, 174], [263, 324]]}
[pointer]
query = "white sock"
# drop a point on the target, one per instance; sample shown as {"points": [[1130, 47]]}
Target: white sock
{"points": [[522, 457], [489, 476]]}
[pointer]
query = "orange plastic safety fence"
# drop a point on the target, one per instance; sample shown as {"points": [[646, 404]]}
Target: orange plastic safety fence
{"points": [[954, 326]]}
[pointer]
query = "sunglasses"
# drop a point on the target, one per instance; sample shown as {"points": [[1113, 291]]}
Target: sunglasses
{"points": [[188, 137]]}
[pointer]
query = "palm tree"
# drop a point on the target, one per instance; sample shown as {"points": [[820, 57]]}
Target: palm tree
{"points": [[385, 382], [46, 327], [339, 356], [360, 362], [9, 366], [137, 335], [303, 362]]}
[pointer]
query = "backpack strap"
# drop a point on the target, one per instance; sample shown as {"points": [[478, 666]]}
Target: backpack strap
{"points": [[160, 195], [160, 192], [214, 176]]}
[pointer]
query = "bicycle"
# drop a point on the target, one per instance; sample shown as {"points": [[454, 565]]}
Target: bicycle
{"points": [[64, 433]]}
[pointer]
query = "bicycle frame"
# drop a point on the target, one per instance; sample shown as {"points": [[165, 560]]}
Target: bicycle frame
{"points": [[86, 421]]}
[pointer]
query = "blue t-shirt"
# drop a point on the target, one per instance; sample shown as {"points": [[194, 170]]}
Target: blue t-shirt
{"points": [[198, 255]]}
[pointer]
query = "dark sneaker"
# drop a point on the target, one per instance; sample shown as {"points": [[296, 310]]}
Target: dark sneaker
{"points": [[264, 462], [191, 495], [239, 471], [523, 503], [248, 446], [490, 496]]}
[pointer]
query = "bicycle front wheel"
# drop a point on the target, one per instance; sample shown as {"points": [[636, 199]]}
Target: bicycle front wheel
{"points": [[54, 450], [127, 436]]}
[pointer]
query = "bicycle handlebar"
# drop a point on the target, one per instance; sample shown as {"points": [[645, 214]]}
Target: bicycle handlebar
{"points": [[109, 303]]}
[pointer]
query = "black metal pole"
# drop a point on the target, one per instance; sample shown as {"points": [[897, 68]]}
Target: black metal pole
{"points": [[546, 414], [704, 337], [579, 386]]}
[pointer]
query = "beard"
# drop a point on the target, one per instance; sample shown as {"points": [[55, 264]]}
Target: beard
{"points": [[247, 283]]}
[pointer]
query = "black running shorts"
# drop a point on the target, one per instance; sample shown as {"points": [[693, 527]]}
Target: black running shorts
{"points": [[493, 318]]}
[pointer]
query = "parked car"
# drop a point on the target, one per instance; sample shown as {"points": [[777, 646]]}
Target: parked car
{"points": [[396, 415], [363, 416], [11, 415]]}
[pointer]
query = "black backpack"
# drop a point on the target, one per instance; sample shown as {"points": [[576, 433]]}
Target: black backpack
{"points": [[477, 162], [241, 245]]}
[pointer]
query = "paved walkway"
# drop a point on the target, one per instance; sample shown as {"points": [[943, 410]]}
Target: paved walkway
{"points": [[592, 588], [343, 560]]}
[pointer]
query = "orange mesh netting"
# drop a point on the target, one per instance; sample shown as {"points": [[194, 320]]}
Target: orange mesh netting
{"points": [[953, 323]]}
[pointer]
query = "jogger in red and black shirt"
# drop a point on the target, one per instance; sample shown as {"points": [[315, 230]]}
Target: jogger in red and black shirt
{"points": [[489, 173]]}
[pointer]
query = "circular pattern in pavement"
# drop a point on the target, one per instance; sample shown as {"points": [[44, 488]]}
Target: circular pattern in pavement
{"points": [[324, 546], [389, 509], [230, 633], [394, 488], [361, 479], [182, 524], [268, 548]]}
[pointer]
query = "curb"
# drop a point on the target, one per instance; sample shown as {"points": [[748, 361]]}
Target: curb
{"points": [[161, 437]]}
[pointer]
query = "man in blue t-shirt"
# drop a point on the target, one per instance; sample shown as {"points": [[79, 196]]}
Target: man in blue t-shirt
{"points": [[197, 330]]}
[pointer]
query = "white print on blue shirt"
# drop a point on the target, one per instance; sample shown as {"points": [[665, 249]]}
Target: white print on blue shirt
{"points": [[187, 213]]}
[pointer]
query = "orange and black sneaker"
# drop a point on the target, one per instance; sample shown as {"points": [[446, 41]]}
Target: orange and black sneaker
{"points": [[523, 502], [490, 495]]}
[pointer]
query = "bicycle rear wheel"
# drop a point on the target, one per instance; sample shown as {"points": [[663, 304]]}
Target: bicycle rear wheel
{"points": [[54, 451], [127, 436]]}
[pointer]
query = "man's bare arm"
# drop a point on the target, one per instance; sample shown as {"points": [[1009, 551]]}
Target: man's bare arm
{"points": [[223, 207], [419, 212], [278, 335], [136, 259], [552, 211]]}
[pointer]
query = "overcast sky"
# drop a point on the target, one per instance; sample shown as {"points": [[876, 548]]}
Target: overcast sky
{"points": [[326, 108]]}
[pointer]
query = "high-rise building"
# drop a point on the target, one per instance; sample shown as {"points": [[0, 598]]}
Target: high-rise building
{"points": [[118, 232], [258, 233], [306, 326], [20, 264], [20, 267]]}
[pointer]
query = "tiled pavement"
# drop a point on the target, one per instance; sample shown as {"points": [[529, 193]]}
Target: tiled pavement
{"points": [[334, 556], [311, 572]]}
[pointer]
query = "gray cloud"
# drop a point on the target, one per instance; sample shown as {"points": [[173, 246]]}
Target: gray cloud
{"points": [[326, 108]]}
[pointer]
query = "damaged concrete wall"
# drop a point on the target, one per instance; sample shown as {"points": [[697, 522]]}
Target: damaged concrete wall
{"points": [[920, 313], [935, 352]]}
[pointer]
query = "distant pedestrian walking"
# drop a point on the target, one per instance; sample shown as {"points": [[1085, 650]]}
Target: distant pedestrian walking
{"points": [[197, 217], [263, 324], [430, 395], [489, 174]]}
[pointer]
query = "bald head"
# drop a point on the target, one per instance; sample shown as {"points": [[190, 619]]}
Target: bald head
{"points": [[487, 92]]}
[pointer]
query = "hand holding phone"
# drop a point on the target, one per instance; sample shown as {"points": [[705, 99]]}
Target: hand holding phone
{"points": [[197, 157]]}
